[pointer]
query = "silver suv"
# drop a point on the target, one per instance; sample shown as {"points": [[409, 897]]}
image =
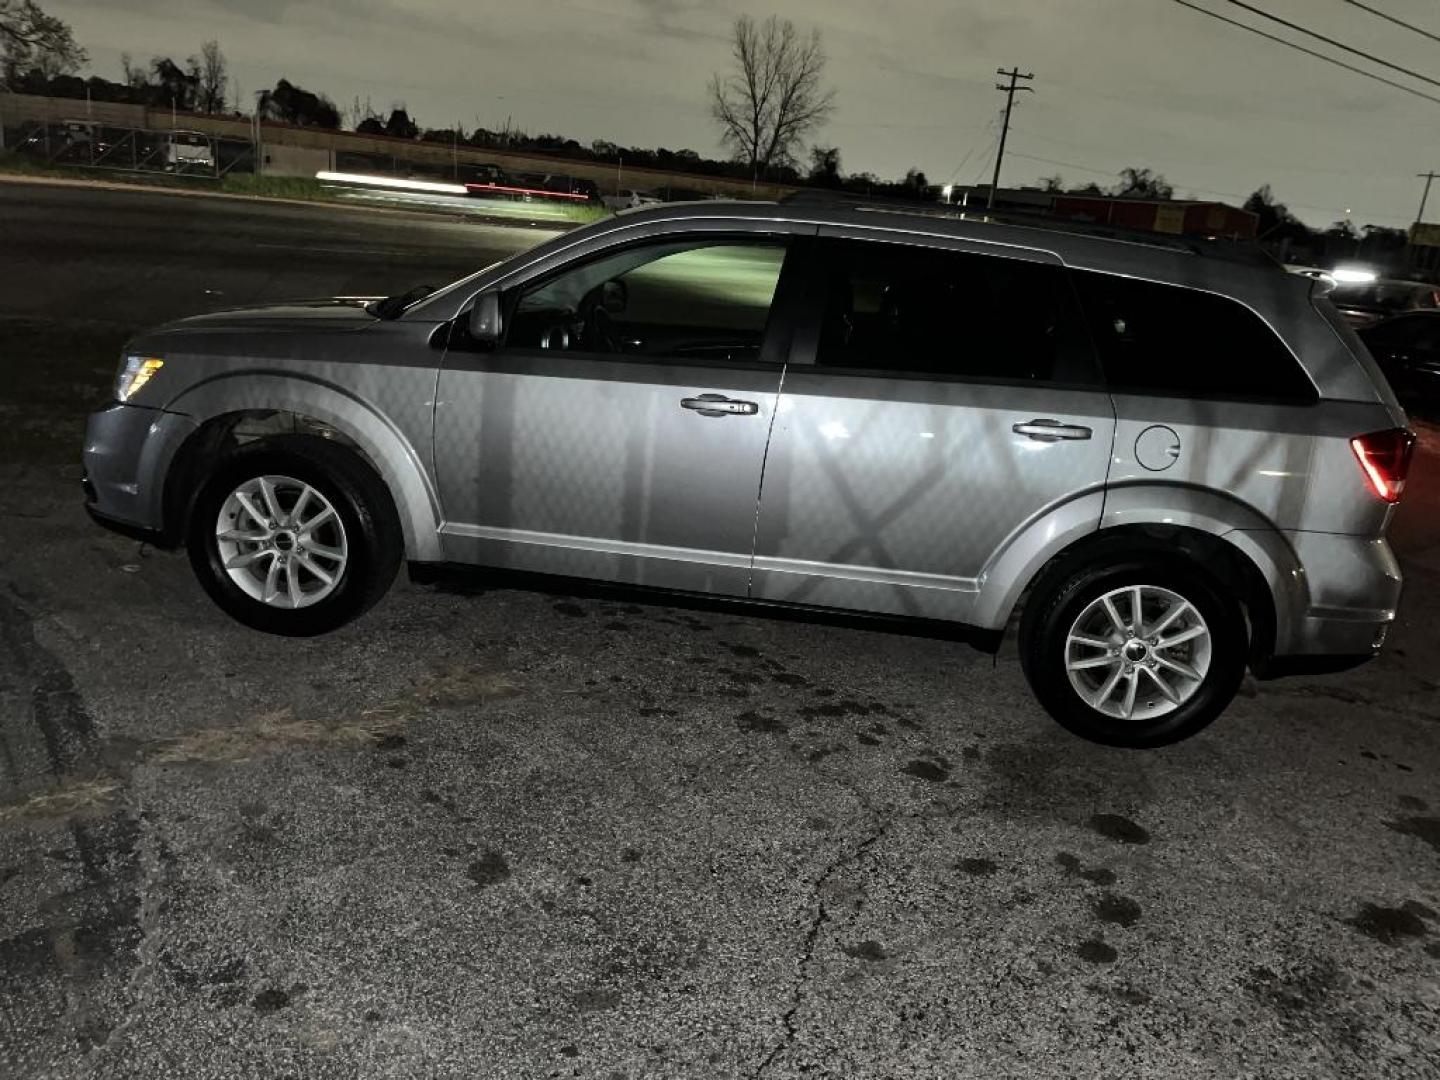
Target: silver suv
{"points": [[1170, 460]]}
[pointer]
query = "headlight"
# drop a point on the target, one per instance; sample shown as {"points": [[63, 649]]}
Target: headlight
{"points": [[136, 372]]}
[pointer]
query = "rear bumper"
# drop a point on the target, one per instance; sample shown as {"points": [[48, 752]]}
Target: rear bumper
{"points": [[1352, 590], [128, 452]]}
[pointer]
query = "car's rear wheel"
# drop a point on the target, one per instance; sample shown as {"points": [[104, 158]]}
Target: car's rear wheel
{"points": [[294, 535], [1140, 654]]}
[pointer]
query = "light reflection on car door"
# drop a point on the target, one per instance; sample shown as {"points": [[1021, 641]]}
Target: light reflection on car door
{"points": [[620, 431], [944, 402]]}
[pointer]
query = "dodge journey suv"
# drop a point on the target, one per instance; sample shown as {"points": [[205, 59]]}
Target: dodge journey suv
{"points": [[1166, 461]]}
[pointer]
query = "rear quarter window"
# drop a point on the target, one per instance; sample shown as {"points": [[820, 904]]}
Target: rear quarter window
{"points": [[1179, 342]]}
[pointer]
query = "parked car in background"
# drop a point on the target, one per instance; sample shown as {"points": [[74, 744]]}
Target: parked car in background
{"points": [[628, 199], [1165, 461], [1407, 348], [189, 151], [1368, 302], [485, 173], [69, 140]]}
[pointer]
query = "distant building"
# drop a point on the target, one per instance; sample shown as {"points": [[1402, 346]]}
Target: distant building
{"points": [[1178, 217]]}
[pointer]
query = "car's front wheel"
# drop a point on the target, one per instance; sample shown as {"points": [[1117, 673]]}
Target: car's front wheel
{"points": [[1140, 654], [294, 535]]}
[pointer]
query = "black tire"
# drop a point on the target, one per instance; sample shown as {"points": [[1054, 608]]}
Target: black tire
{"points": [[374, 540], [1060, 599]]}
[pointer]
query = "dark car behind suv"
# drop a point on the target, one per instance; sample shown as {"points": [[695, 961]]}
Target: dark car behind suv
{"points": [[1363, 304], [1407, 348]]}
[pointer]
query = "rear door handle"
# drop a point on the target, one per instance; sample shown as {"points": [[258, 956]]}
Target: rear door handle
{"points": [[719, 405], [1051, 430]]}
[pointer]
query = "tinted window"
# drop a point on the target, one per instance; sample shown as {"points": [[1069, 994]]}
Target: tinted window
{"points": [[702, 298], [1163, 339], [929, 312]]}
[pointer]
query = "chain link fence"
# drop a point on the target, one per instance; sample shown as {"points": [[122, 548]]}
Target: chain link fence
{"points": [[88, 144]]}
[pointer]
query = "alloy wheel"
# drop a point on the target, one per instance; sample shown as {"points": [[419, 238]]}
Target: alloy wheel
{"points": [[1138, 652], [281, 541]]}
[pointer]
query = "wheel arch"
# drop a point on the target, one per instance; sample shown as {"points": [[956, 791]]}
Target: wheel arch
{"points": [[228, 415], [1227, 540]]}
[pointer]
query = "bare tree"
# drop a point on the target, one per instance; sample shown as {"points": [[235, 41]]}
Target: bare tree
{"points": [[773, 98], [1143, 184], [31, 39], [214, 80]]}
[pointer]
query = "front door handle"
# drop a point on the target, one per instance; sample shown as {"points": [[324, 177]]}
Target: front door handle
{"points": [[719, 405], [1051, 430]]}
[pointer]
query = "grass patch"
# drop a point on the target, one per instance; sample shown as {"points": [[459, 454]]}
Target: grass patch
{"points": [[274, 187], [72, 798]]}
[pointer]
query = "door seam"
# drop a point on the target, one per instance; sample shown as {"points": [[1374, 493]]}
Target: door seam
{"points": [[760, 492]]}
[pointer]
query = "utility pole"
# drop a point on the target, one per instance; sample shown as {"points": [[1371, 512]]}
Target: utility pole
{"points": [[1429, 178], [1013, 74]]}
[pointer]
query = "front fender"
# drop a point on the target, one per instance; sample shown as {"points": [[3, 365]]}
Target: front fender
{"points": [[400, 463]]}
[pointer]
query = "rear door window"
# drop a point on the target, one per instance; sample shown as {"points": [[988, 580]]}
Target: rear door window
{"points": [[896, 309], [1178, 342]]}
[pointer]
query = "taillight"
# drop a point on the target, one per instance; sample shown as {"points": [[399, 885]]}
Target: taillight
{"points": [[1385, 457]]}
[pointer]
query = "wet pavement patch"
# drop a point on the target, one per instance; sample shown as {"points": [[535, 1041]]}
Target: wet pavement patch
{"points": [[1073, 867], [1095, 951], [1120, 829], [565, 607], [932, 771], [597, 1000], [977, 867], [869, 951], [754, 721], [489, 869], [270, 1000], [1112, 908], [1424, 829], [1387, 925]]}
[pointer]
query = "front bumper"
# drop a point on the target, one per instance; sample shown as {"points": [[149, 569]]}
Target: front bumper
{"points": [[128, 453]]}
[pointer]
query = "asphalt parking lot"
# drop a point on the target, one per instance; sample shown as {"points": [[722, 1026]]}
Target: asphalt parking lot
{"points": [[493, 833]]}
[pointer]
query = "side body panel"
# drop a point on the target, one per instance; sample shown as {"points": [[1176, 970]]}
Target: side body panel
{"points": [[901, 495], [1281, 484], [588, 467]]}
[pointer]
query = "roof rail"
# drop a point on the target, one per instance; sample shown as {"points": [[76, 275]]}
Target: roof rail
{"points": [[1245, 252]]}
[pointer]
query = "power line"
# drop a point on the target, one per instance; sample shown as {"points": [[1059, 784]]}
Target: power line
{"points": [[979, 140], [1331, 41], [1292, 167], [1309, 52], [1391, 18]]}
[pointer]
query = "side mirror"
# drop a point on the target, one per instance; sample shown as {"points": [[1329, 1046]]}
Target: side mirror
{"points": [[484, 322]]}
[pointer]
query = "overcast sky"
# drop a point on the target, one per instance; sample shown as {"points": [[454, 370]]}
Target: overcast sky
{"points": [[1118, 82]]}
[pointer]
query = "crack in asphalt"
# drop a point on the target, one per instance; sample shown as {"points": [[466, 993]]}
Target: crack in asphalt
{"points": [[822, 915]]}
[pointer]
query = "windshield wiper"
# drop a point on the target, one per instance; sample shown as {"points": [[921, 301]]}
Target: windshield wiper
{"points": [[392, 306]]}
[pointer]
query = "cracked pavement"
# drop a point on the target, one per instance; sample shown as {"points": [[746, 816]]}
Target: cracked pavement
{"points": [[486, 832]]}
